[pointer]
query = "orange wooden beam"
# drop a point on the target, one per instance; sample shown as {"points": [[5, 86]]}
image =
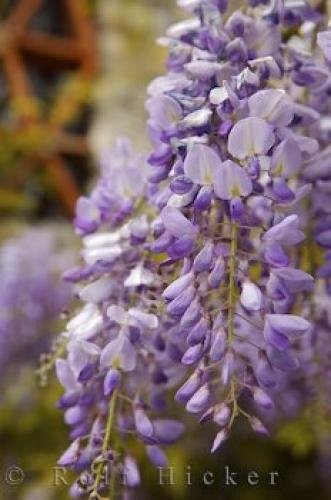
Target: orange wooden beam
{"points": [[53, 47], [80, 50], [21, 14], [84, 31], [13, 66], [75, 145]]}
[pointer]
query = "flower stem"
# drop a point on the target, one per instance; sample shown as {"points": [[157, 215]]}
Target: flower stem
{"points": [[234, 403], [232, 288], [105, 447]]}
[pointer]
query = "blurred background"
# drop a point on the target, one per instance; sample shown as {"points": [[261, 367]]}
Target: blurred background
{"points": [[73, 75]]}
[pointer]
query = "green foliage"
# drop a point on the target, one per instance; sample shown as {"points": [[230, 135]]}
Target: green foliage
{"points": [[298, 436]]}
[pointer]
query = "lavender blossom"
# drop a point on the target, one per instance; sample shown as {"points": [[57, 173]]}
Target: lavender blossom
{"points": [[116, 369], [231, 152], [32, 296]]}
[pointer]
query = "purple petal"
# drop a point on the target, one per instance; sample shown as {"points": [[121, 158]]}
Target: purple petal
{"points": [[204, 198], [286, 159], [275, 255], [324, 42], [324, 238], [198, 332], [87, 216], [265, 374], [237, 209], [164, 111], [286, 232], [282, 360], [203, 260], [178, 286], [112, 380], [192, 314], [294, 280], [157, 456], [143, 424], [275, 338], [217, 273], [258, 427], [186, 391], [193, 354], [222, 414], [168, 431], [177, 224], [178, 306], [182, 247], [218, 346], [131, 476], [221, 436], [262, 398], [71, 455], [198, 402]]}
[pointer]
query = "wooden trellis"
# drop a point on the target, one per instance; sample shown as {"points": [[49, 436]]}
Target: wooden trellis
{"points": [[21, 44]]}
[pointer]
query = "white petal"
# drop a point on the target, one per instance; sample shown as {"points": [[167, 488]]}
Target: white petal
{"points": [[89, 347], [139, 226], [145, 319], [85, 324], [106, 254], [190, 5], [204, 69], [274, 105], [181, 28], [201, 163], [97, 291], [128, 355], [231, 181], [100, 240], [249, 137], [251, 296], [65, 375], [139, 276], [182, 200], [197, 118], [119, 353], [117, 314], [218, 95]]}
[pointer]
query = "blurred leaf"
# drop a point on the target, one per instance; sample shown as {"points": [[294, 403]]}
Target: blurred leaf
{"points": [[298, 436]]}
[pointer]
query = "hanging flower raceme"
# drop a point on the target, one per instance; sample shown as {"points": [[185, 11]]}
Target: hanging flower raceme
{"points": [[122, 183], [32, 296], [309, 70], [116, 369], [229, 152]]}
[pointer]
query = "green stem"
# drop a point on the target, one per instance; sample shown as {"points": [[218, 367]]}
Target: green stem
{"points": [[232, 288], [105, 447], [234, 403]]}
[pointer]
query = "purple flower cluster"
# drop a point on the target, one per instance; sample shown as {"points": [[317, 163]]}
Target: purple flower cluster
{"points": [[117, 368], [196, 274], [31, 296], [311, 86], [122, 182], [229, 149]]}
